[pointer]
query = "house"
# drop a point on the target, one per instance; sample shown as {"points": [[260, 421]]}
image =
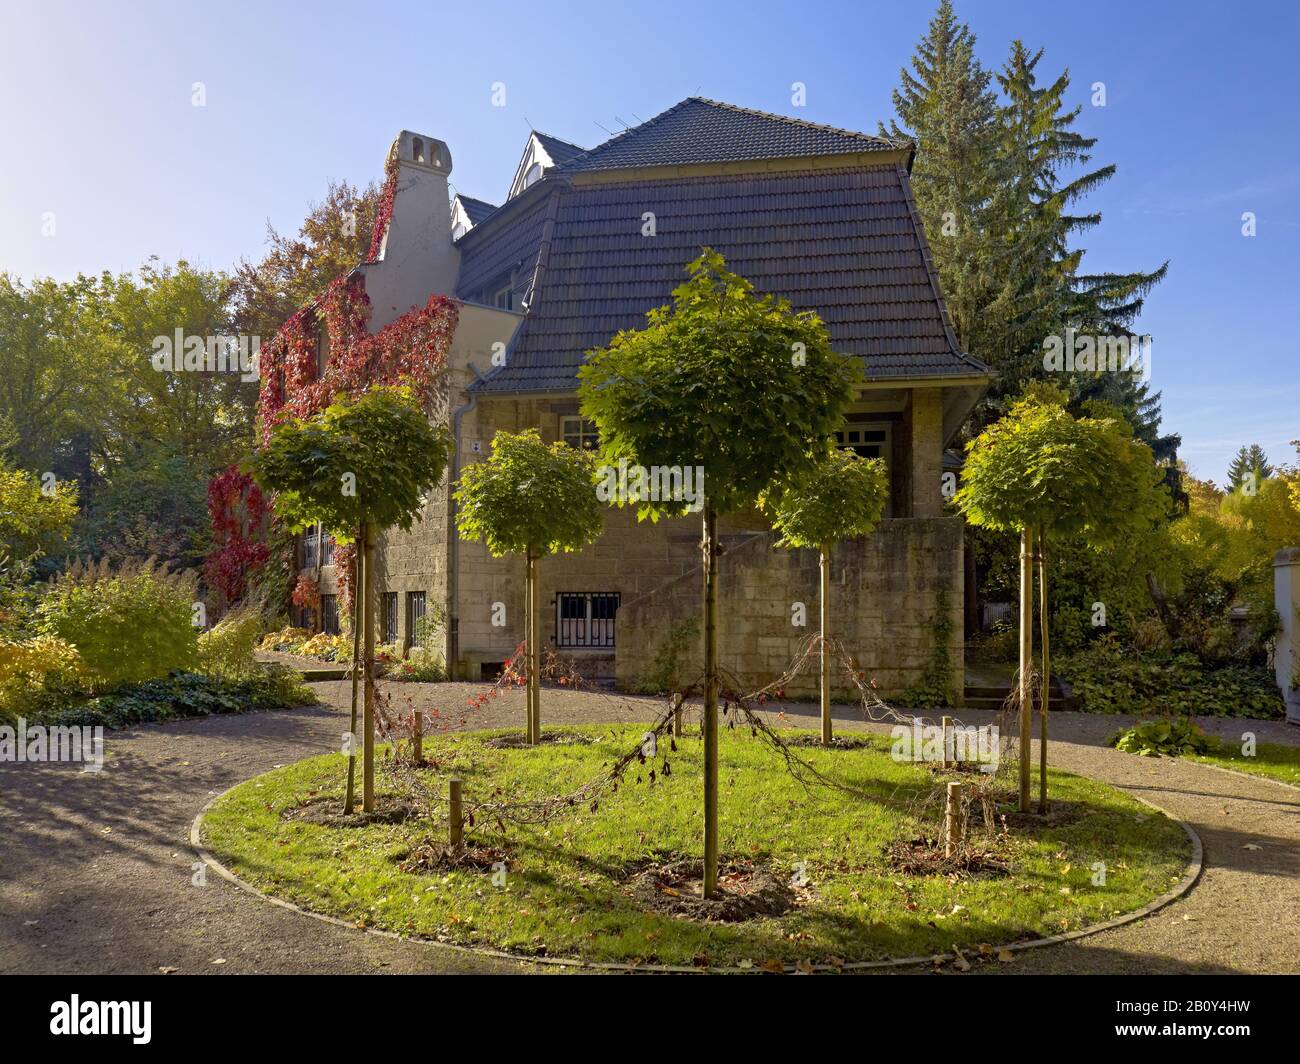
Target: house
{"points": [[584, 243]]}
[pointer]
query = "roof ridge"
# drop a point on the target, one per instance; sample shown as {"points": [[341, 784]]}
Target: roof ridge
{"points": [[476, 199], [792, 121], [552, 136], [628, 132]]}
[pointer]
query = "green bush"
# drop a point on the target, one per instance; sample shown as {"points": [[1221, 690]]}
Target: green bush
{"points": [[1110, 677], [226, 651], [185, 694], [1168, 738], [34, 672], [131, 625]]}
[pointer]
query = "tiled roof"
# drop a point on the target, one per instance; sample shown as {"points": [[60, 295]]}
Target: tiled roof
{"points": [[705, 131], [560, 151], [845, 242], [507, 243], [477, 209]]}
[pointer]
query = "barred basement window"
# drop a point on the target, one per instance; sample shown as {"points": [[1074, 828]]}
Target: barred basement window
{"points": [[579, 432], [388, 616], [414, 615], [585, 619], [329, 614]]}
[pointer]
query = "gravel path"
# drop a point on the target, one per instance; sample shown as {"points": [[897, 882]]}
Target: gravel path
{"points": [[95, 869]]}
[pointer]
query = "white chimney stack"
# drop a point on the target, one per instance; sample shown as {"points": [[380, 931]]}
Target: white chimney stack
{"points": [[416, 258]]}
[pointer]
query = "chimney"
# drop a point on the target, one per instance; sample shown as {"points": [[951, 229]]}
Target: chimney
{"points": [[416, 258]]}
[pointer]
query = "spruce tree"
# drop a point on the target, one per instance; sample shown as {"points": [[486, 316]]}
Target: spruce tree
{"points": [[1248, 460]]}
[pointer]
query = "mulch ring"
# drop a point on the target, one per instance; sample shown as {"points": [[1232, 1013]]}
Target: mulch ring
{"points": [[516, 740], [746, 890], [328, 812], [925, 857], [431, 857], [1058, 813], [838, 742]]}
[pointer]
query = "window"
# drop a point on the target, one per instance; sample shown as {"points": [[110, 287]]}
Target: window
{"points": [[585, 619], [460, 230], [504, 297], [329, 614], [533, 175], [317, 547], [388, 617], [579, 432], [865, 440], [414, 615]]}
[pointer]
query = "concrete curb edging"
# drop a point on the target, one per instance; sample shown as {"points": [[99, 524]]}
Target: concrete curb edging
{"points": [[1193, 873]]}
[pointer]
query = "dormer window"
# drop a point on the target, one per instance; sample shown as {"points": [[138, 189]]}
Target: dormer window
{"points": [[459, 231], [504, 297], [533, 175]]}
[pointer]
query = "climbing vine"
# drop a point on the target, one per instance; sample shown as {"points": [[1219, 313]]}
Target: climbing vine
{"points": [[238, 512]]}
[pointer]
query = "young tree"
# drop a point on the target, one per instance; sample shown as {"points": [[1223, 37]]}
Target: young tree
{"points": [[1049, 476], [737, 384], [363, 464], [533, 500], [843, 497]]}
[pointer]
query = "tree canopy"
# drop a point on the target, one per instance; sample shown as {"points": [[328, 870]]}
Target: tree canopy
{"points": [[370, 459], [1043, 468], [725, 379], [527, 497], [841, 497]]}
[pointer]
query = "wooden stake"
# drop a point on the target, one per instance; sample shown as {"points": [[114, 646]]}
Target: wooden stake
{"points": [[710, 723], [368, 615], [826, 650], [456, 820], [954, 821], [1026, 659], [357, 561], [677, 716], [1047, 675], [947, 742], [417, 738], [534, 680]]}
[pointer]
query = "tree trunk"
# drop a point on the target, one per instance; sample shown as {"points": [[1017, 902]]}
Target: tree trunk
{"points": [[710, 726], [530, 637], [1026, 658], [357, 561], [368, 616], [826, 650], [1047, 673]]}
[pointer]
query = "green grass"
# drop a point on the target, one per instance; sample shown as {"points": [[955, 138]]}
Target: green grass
{"points": [[564, 895], [1273, 760]]}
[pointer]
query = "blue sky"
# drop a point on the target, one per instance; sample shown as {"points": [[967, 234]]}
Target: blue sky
{"points": [[98, 127]]}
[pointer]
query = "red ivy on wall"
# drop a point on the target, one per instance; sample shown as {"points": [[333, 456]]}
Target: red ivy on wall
{"points": [[238, 512], [384, 208], [411, 350]]}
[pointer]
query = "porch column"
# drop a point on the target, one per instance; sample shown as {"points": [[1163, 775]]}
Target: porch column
{"points": [[1286, 651], [927, 452]]}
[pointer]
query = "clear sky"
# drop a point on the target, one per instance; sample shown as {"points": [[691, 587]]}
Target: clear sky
{"points": [[97, 126]]}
